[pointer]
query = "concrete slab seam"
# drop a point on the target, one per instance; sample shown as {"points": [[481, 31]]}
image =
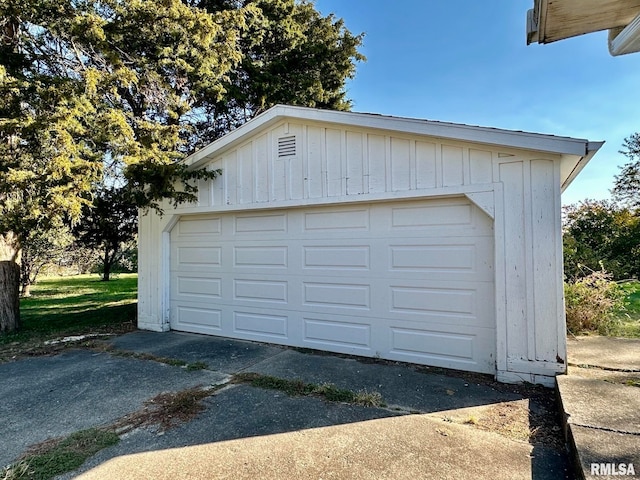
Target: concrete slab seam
{"points": [[604, 429], [588, 366]]}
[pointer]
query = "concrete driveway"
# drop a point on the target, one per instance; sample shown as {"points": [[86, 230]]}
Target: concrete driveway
{"points": [[435, 423]]}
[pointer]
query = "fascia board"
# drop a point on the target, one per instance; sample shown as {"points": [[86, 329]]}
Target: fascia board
{"points": [[452, 131]]}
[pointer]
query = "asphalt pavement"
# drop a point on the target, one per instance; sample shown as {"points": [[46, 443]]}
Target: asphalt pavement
{"points": [[423, 430]]}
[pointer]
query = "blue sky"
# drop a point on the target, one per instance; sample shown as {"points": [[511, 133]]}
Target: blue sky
{"points": [[466, 61]]}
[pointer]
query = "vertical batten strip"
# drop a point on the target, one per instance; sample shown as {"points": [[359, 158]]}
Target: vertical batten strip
{"points": [[439, 171], [413, 175], [561, 341], [388, 162], [366, 163], [304, 153], [343, 162], [529, 261], [466, 166], [512, 177], [323, 161], [500, 278], [545, 241]]}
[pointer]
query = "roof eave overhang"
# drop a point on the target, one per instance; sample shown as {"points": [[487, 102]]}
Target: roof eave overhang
{"points": [[452, 131], [552, 20], [574, 165]]}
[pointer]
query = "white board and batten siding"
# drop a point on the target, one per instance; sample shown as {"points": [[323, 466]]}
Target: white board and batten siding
{"points": [[368, 240], [332, 163]]}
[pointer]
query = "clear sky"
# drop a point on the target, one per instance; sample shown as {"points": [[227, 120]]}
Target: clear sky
{"points": [[466, 61]]}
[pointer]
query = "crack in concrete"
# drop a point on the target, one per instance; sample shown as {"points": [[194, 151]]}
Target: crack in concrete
{"points": [[587, 366], [604, 429]]}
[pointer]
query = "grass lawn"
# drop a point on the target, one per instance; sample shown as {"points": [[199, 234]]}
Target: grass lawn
{"points": [[61, 306], [629, 320]]}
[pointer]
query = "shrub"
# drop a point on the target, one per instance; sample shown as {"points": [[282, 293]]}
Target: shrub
{"points": [[592, 303]]}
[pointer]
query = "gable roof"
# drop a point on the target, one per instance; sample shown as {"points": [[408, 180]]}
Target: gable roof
{"points": [[575, 152]]}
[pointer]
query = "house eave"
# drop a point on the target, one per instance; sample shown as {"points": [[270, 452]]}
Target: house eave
{"points": [[445, 130], [574, 165], [552, 20]]}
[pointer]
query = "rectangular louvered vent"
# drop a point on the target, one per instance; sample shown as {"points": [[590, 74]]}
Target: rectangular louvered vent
{"points": [[287, 146]]}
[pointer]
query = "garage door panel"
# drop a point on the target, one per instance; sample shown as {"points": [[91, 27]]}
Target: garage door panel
{"points": [[192, 286], [335, 221], [197, 257], [452, 303], [428, 216], [455, 301], [269, 223], [401, 280], [198, 226], [336, 257], [461, 259], [337, 294], [261, 291], [465, 348], [257, 325], [325, 331], [197, 318], [261, 256], [420, 219]]}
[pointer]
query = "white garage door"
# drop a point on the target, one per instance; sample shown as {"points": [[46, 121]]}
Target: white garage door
{"points": [[410, 281]]}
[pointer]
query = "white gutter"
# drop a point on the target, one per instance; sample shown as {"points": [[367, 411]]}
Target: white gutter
{"points": [[626, 40]]}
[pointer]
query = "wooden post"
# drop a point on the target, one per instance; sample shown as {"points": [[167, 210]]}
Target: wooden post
{"points": [[9, 297]]}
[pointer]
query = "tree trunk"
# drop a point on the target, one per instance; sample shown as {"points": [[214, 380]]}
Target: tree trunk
{"points": [[107, 266], [25, 290], [9, 297]]}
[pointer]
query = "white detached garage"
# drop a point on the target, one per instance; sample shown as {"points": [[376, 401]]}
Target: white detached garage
{"points": [[412, 240]]}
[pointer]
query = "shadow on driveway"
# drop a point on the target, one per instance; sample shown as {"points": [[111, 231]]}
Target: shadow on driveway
{"points": [[48, 397]]}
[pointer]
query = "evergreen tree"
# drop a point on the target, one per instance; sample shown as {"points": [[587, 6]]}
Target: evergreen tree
{"points": [[113, 93]]}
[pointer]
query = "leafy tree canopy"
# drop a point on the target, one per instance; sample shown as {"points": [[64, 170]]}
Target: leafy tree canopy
{"points": [[114, 92], [108, 226], [291, 54], [627, 183], [601, 235], [90, 90]]}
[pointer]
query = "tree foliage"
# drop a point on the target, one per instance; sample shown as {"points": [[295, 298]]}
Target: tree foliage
{"points": [[41, 248], [601, 235], [119, 90], [110, 226], [627, 183], [113, 93], [90, 90], [291, 54]]}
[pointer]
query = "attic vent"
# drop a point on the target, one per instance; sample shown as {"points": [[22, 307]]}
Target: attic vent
{"points": [[287, 146]]}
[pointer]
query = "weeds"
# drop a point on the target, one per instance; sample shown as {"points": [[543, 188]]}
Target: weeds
{"points": [[174, 362], [196, 366], [167, 410], [592, 304], [16, 471], [55, 457], [328, 391], [472, 420], [369, 399]]}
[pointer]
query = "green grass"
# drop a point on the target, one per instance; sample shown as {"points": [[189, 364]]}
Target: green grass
{"points": [[628, 324], [75, 305], [59, 456]]}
